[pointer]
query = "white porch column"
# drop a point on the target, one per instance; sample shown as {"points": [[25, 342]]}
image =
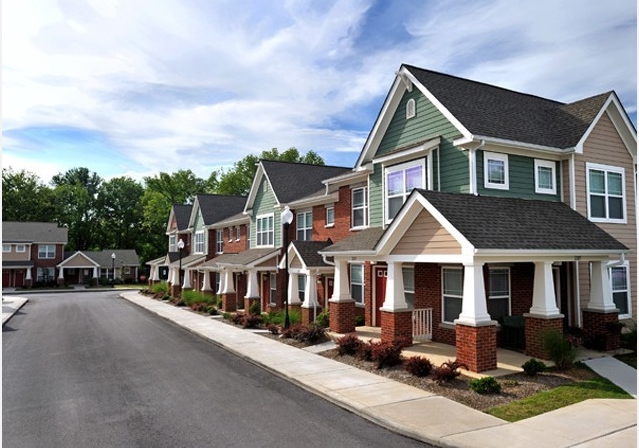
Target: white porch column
{"points": [[474, 310], [28, 275], [229, 286], [310, 293], [293, 289], [175, 276], [221, 287], [187, 279], [206, 282], [252, 291], [155, 273], [60, 273], [600, 290], [341, 290], [395, 299], [544, 301], [95, 272]]}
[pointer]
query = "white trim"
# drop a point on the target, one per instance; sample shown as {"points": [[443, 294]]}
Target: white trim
{"points": [[626, 266], [415, 152], [332, 223], [351, 283], [507, 296], [195, 242], [219, 241], [24, 248], [304, 229], [411, 109], [272, 229], [7, 247], [401, 168], [553, 173], [606, 169], [365, 207], [500, 157], [461, 296]]}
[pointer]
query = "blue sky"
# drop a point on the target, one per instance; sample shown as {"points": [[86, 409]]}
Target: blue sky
{"points": [[138, 87]]}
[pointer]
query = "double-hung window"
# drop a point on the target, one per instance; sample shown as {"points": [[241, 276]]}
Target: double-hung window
{"points": [[44, 274], [199, 242], [606, 199], [545, 180], [230, 234], [21, 248], [620, 289], [6, 248], [273, 289], [238, 233], [219, 241], [301, 286], [359, 207], [304, 223], [408, 275], [496, 170], [46, 251], [357, 283], [172, 243], [264, 230], [330, 216], [400, 181], [452, 293], [498, 293]]}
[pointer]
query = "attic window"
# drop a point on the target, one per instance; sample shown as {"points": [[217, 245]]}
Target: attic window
{"points": [[410, 108]]}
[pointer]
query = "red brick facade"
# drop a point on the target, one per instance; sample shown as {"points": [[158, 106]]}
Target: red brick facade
{"points": [[397, 326], [342, 317], [229, 302], [602, 329], [342, 218], [534, 329], [477, 347]]}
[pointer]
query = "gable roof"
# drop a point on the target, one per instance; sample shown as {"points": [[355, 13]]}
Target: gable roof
{"points": [[520, 224], [216, 207], [482, 111], [291, 181], [363, 241], [308, 252], [33, 232], [182, 214], [123, 257]]}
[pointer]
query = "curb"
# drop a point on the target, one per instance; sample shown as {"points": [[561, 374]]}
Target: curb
{"points": [[15, 310]]}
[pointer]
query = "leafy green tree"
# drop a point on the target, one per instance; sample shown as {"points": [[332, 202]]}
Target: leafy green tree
{"points": [[179, 187], [25, 197], [120, 213]]}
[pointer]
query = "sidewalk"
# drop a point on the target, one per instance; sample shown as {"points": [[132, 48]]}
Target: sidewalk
{"points": [[406, 409], [10, 306]]}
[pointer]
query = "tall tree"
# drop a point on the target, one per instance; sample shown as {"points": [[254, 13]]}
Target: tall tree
{"points": [[179, 187], [120, 213], [25, 197]]}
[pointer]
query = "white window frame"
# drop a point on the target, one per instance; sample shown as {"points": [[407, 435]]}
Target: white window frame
{"points": [[410, 271], [403, 167], [219, 241], [21, 248], [363, 207], [172, 243], [272, 289], [238, 233], [265, 235], [625, 265], [198, 242], [301, 286], [410, 108], [358, 301], [553, 167], [307, 232], [6, 248], [491, 296], [330, 216], [488, 156], [230, 234], [40, 273], [452, 296], [606, 169], [47, 254]]}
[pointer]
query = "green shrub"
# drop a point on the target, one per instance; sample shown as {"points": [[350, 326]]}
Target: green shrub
{"points": [[277, 318], [532, 367], [486, 385], [211, 310], [629, 337], [161, 287], [255, 307], [322, 319], [219, 302], [359, 321], [447, 372], [348, 344], [386, 354], [227, 316], [559, 348], [418, 366]]}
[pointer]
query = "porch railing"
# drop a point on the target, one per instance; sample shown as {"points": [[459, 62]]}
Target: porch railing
{"points": [[422, 324]]}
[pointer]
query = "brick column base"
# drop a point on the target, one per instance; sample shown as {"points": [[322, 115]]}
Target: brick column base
{"points": [[397, 326], [248, 301], [28, 283], [342, 317], [601, 329], [229, 302], [307, 314], [175, 291], [534, 329], [477, 346]]}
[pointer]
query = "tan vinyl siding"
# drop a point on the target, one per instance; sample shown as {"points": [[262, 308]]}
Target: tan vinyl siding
{"points": [[79, 262], [426, 236], [565, 180], [17, 256], [604, 146], [296, 264]]}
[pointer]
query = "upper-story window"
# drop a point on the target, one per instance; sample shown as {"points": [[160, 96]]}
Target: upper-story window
{"points": [[199, 242], [359, 207], [21, 248], [219, 241], [330, 216], [238, 233], [172, 243], [264, 230], [6, 248], [46, 251], [410, 108], [606, 198], [304, 226], [495, 170], [545, 179], [400, 181], [230, 234]]}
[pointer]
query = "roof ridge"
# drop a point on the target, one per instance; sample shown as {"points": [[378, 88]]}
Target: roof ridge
{"points": [[306, 164]]}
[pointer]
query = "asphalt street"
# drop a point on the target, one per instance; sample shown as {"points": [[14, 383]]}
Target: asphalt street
{"points": [[93, 370]]}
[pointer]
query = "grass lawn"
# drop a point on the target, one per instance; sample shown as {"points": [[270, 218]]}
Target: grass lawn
{"points": [[557, 398]]}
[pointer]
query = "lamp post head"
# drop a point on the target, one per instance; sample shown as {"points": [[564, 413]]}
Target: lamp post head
{"points": [[181, 244], [113, 256], [287, 215]]}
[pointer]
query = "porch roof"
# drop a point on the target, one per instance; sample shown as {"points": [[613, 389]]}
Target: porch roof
{"points": [[520, 224], [18, 264], [244, 259], [364, 241], [308, 252], [186, 260]]}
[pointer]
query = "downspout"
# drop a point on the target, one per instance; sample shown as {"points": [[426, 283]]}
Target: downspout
{"points": [[472, 166], [621, 261]]}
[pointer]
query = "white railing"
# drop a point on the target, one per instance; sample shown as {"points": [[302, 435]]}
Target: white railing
{"points": [[423, 324]]}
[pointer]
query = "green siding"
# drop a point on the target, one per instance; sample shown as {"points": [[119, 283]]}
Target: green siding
{"points": [[198, 225], [264, 204], [428, 123], [521, 173]]}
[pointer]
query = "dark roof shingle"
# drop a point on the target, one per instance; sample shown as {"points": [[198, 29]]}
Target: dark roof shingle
{"points": [[33, 232], [215, 207]]}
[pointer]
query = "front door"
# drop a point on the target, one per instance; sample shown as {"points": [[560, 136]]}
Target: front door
{"points": [[19, 279], [381, 274]]}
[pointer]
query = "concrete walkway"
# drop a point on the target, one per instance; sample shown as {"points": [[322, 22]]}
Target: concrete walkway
{"points": [[616, 371], [10, 306], [406, 409]]}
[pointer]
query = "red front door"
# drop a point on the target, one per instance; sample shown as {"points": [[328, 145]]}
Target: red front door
{"points": [[381, 274], [19, 279]]}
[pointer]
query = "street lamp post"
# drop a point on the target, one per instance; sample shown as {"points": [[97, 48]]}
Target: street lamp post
{"points": [[287, 219], [113, 268], [180, 247]]}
